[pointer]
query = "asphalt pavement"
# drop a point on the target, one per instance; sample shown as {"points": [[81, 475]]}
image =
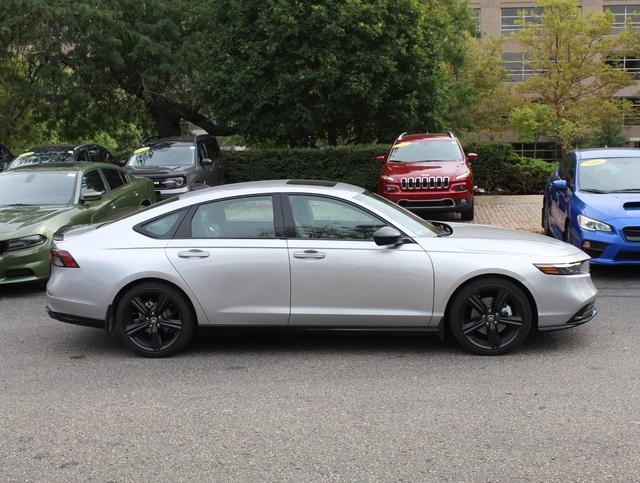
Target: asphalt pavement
{"points": [[75, 406]]}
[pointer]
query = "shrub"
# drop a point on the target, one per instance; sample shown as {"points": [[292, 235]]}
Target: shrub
{"points": [[499, 169], [350, 164]]}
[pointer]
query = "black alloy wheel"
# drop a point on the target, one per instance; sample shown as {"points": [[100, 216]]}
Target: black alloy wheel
{"points": [[490, 316], [154, 320]]}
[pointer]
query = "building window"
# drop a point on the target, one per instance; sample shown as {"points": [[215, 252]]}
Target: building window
{"points": [[476, 14], [630, 65], [518, 67], [624, 15], [543, 150], [512, 19], [633, 118]]}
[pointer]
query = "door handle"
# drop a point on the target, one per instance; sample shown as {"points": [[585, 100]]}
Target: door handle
{"points": [[309, 254], [194, 254]]}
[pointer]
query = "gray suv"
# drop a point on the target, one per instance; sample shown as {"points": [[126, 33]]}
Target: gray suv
{"points": [[178, 164]]}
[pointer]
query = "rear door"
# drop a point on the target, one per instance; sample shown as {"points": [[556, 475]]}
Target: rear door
{"points": [[125, 197], [233, 256]]}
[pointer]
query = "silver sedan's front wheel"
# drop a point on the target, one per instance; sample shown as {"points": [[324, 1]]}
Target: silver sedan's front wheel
{"points": [[154, 320], [490, 316]]}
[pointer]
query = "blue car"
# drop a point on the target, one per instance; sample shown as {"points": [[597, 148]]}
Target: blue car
{"points": [[592, 200]]}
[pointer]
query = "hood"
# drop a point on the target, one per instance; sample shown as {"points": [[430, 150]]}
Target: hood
{"points": [[431, 168], [490, 239], [609, 206], [17, 219], [161, 170]]}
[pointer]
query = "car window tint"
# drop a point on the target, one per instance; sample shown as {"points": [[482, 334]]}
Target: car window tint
{"points": [[162, 227], [202, 152], [83, 156], [250, 217], [113, 178], [327, 218], [92, 183], [95, 154]]}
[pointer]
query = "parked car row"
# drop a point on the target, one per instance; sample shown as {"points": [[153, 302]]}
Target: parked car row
{"points": [[49, 188]]}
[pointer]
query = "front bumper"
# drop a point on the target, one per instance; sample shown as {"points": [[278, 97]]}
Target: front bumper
{"points": [[166, 194], [26, 265], [441, 201], [583, 316], [608, 248]]}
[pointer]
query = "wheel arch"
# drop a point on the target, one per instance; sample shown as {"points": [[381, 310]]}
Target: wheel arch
{"points": [[517, 282], [116, 299]]}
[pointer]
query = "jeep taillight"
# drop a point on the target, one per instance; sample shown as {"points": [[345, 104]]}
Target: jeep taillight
{"points": [[62, 258]]}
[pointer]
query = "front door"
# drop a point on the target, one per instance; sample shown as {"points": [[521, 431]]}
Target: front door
{"points": [[233, 261], [340, 277]]}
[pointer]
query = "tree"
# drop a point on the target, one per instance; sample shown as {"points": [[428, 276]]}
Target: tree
{"points": [[569, 52], [117, 57], [532, 121], [331, 71], [491, 98]]}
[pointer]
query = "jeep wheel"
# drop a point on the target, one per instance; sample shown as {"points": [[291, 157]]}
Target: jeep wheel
{"points": [[468, 214]]}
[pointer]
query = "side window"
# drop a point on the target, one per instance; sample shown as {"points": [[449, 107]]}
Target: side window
{"points": [[162, 227], [114, 179], [567, 168], [106, 156], [213, 152], [202, 153], [326, 218], [92, 183], [250, 217], [94, 154], [84, 156]]}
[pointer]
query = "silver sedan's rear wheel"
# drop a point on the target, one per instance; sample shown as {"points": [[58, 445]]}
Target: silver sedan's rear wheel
{"points": [[154, 320], [490, 316]]}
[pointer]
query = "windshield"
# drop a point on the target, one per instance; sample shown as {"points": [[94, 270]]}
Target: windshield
{"points": [[609, 175], [162, 155], [27, 159], [394, 212], [426, 150], [37, 188]]}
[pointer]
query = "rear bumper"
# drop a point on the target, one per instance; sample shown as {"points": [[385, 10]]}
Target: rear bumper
{"points": [[73, 319]]}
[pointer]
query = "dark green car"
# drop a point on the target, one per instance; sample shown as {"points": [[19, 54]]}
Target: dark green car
{"points": [[37, 201]]}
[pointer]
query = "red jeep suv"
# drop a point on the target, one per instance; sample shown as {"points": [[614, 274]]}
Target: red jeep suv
{"points": [[428, 172]]}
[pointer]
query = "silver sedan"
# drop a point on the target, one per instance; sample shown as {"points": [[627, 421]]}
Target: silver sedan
{"points": [[312, 255]]}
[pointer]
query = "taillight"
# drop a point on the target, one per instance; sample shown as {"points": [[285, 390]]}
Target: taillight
{"points": [[62, 258]]}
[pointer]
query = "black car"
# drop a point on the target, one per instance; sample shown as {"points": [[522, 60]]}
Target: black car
{"points": [[178, 164], [5, 157], [63, 153]]}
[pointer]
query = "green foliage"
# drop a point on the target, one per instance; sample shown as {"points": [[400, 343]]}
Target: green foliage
{"points": [[499, 169], [349, 164], [312, 72], [569, 52]]}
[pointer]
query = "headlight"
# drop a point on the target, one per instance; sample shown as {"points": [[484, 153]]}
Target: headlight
{"points": [[573, 268], [387, 178], [25, 242], [463, 175], [592, 225], [172, 183]]}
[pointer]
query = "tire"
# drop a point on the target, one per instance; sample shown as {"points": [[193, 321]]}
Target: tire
{"points": [[151, 331], [566, 234], [468, 214], [545, 221], [483, 329]]}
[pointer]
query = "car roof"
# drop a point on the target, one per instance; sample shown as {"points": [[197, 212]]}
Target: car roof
{"points": [[66, 167], [278, 185], [606, 153], [423, 136]]}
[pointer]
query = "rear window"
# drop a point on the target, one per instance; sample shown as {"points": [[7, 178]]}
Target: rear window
{"points": [[426, 150], [163, 227]]}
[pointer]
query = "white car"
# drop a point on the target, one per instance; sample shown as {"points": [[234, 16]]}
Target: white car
{"points": [[312, 254]]}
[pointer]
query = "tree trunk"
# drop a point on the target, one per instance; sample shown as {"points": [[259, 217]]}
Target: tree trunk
{"points": [[332, 136], [165, 116]]}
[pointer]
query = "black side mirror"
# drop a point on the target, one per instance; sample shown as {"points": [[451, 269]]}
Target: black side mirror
{"points": [[206, 162], [91, 196], [386, 236]]}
